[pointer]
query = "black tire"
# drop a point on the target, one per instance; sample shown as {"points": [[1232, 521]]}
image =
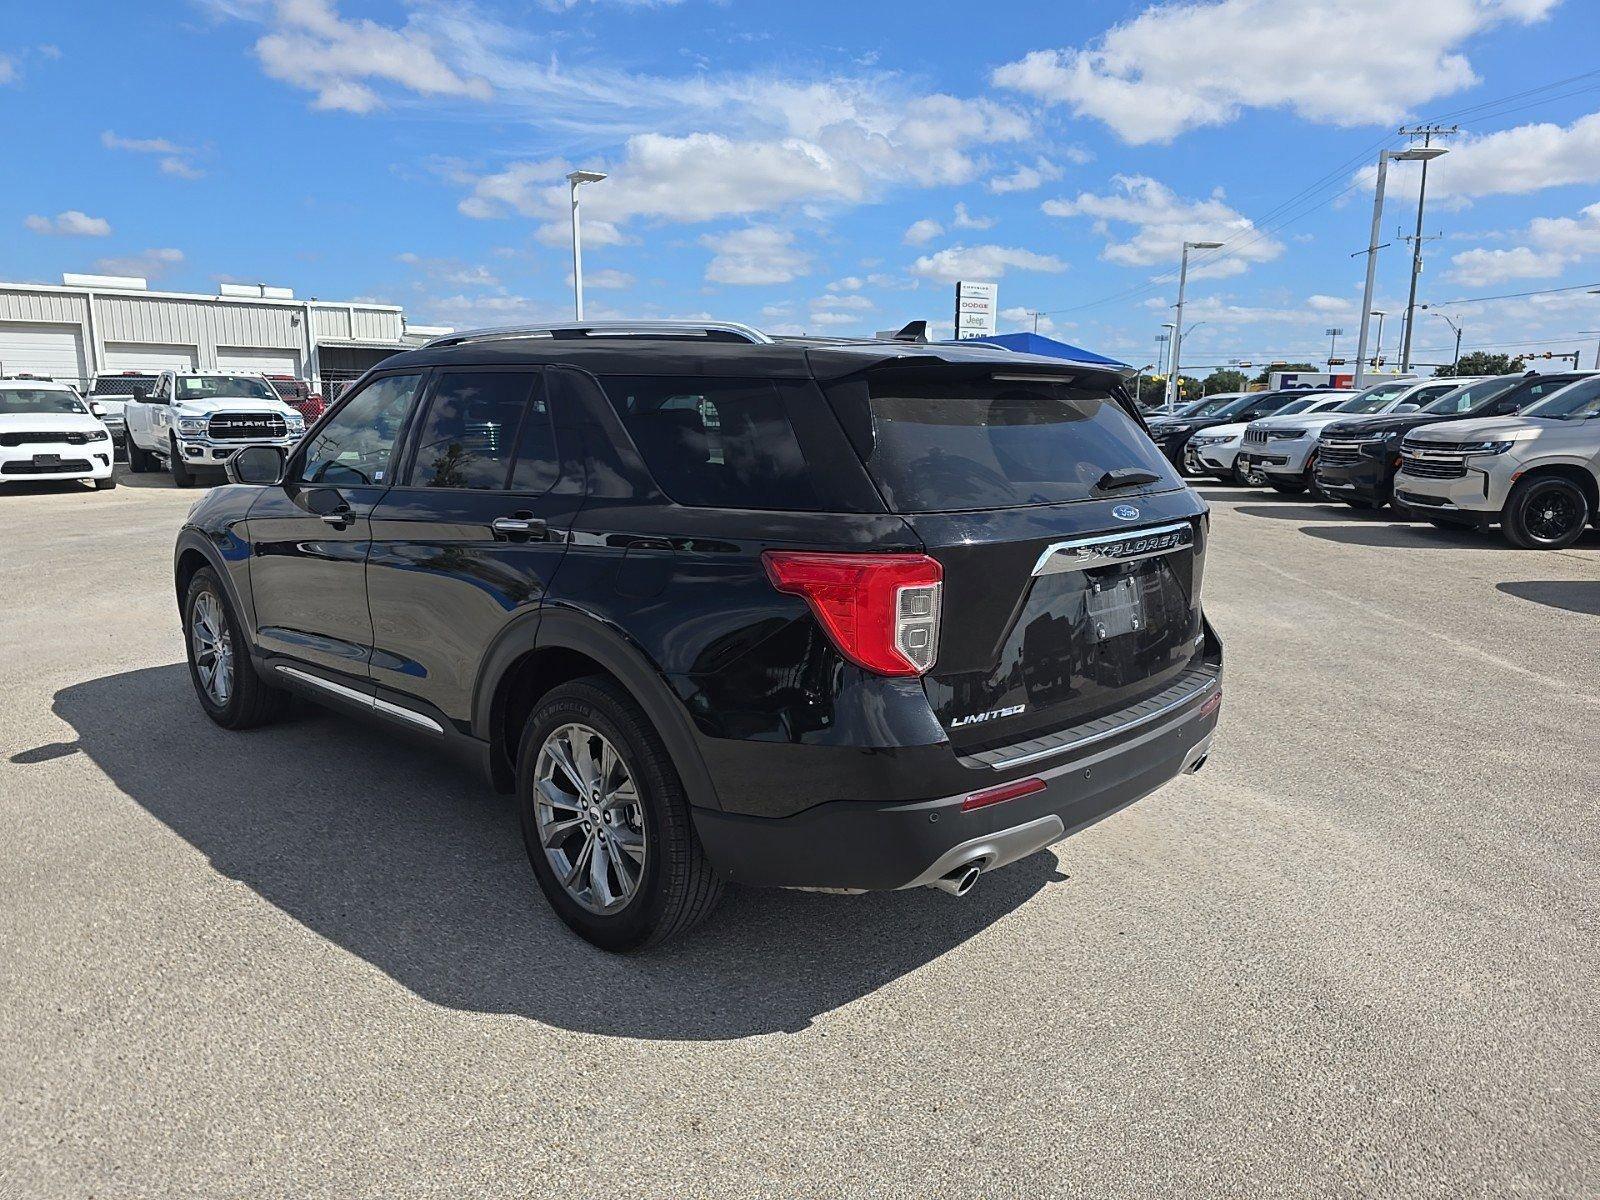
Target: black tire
{"points": [[106, 484], [678, 888], [1545, 512], [181, 475], [139, 461], [1247, 478], [250, 701]]}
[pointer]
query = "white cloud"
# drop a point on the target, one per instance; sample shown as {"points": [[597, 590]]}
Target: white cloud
{"points": [[8, 70], [832, 320], [71, 223], [1179, 66], [982, 263], [1551, 244], [1332, 306], [1510, 162], [174, 160], [965, 220], [920, 233], [309, 45], [146, 264], [1162, 221], [450, 272], [758, 254], [1025, 178], [852, 300]]}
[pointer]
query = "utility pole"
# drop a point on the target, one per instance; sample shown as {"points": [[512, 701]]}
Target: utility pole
{"points": [[1427, 133], [1377, 355], [1410, 154], [1177, 327], [1035, 316]]}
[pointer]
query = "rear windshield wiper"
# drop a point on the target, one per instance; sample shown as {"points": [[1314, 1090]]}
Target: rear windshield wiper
{"points": [[1125, 477]]}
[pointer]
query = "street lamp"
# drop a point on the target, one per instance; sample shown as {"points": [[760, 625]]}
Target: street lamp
{"points": [[1456, 361], [1177, 326], [575, 178], [1377, 355], [1409, 154], [1332, 333]]}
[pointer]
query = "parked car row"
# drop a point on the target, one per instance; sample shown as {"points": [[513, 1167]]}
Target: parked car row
{"points": [[1519, 451]]}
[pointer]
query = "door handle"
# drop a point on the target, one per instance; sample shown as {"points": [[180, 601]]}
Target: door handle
{"points": [[338, 520], [518, 526]]}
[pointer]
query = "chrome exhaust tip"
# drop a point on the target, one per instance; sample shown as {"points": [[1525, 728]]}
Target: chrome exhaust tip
{"points": [[959, 882]]}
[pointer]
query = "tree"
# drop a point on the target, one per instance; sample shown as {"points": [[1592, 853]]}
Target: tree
{"points": [[1223, 380], [1481, 362], [1271, 367]]}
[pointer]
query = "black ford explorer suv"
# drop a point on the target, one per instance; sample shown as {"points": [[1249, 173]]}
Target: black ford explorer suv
{"points": [[1357, 460], [716, 607]]}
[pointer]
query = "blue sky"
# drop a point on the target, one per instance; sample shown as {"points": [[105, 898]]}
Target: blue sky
{"points": [[825, 167]]}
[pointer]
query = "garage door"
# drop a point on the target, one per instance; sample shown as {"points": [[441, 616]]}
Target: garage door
{"points": [[35, 349], [148, 356], [267, 362]]}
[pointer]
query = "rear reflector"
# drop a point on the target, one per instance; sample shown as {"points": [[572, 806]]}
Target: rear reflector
{"points": [[998, 795], [880, 610], [1211, 705]]}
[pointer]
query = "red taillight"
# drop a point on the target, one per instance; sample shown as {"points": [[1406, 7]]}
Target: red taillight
{"points": [[1006, 791], [881, 610]]}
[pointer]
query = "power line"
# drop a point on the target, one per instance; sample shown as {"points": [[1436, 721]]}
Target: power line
{"points": [[1576, 287]]}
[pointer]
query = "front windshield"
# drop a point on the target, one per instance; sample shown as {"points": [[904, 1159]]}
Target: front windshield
{"points": [[223, 387], [1472, 395], [38, 402], [1374, 398], [1577, 402]]}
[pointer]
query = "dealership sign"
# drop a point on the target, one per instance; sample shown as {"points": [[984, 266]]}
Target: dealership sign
{"points": [[977, 306]]}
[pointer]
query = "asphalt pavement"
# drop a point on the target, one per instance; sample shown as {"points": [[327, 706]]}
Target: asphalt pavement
{"points": [[1356, 955]]}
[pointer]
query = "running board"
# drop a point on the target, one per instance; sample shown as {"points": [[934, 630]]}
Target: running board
{"points": [[381, 707]]}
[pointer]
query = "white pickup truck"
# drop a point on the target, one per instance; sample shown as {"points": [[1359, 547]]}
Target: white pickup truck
{"points": [[191, 421]]}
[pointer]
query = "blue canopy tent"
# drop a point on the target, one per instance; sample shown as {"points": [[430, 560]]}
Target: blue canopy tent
{"points": [[1035, 343]]}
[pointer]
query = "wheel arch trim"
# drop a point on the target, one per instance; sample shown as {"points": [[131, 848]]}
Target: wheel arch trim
{"points": [[562, 627]]}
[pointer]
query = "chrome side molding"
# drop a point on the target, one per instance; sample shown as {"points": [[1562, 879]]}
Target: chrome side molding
{"points": [[382, 707], [1081, 554]]}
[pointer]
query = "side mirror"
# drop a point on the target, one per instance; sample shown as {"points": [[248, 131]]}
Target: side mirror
{"points": [[141, 394], [256, 464], [94, 407]]}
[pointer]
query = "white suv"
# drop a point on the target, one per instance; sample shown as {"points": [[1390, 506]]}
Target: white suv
{"points": [[1284, 449], [48, 433], [1537, 473], [197, 420], [1215, 451]]}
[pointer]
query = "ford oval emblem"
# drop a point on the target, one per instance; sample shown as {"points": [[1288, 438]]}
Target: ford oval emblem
{"points": [[1125, 512]]}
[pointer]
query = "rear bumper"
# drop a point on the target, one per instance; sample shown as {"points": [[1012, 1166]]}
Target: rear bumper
{"points": [[866, 845]]}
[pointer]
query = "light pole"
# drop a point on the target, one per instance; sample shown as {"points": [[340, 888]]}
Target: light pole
{"points": [[1377, 355], [1456, 361], [1177, 325], [1163, 345], [1409, 154], [1332, 333], [1595, 292], [576, 178]]}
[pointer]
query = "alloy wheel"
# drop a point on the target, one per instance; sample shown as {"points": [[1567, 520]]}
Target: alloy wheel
{"points": [[590, 819], [213, 648], [1552, 514]]}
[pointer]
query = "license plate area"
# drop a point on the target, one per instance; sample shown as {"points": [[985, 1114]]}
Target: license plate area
{"points": [[47, 460], [1114, 608]]}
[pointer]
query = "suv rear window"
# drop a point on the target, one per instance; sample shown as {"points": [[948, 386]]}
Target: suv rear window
{"points": [[716, 443], [944, 444]]}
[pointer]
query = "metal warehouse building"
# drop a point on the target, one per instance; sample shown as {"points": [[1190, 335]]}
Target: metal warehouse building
{"points": [[93, 323]]}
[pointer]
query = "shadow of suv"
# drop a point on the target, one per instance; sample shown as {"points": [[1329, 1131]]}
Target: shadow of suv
{"points": [[844, 616]]}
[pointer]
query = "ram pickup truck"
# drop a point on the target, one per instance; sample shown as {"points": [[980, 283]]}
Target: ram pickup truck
{"points": [[193, 421], [109, 392], [1536, 474]]}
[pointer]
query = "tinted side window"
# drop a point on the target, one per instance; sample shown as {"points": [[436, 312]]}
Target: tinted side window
{"points": [[468, 436], [353, 447], [534, 469], [720, 443]]}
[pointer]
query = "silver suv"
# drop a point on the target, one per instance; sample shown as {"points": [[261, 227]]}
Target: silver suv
{"points": [[1537, 474]]}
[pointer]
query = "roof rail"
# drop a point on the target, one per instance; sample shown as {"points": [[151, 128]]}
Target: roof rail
{"points": [[722, 331]]}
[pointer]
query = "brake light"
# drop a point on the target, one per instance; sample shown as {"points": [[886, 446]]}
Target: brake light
{"points": [[880, 610]]}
